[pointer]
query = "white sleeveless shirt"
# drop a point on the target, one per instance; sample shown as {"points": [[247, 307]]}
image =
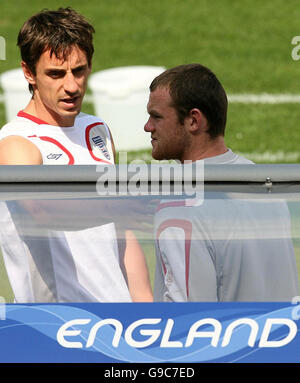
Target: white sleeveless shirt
{"points": [[87, 142], [45, 265]]}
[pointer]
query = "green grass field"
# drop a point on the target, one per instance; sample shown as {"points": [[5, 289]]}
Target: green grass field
{"points": [[246, 43]]}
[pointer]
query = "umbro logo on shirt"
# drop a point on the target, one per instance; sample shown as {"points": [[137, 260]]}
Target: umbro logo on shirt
{"points": [[53, 156]]}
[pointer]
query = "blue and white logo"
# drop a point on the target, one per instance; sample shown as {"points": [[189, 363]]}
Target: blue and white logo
{"points": [[98, 141], [189, 332]]}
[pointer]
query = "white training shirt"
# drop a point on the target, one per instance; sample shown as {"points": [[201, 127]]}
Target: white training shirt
{"points": [[87, 142], [224, 248], [46, 265]]}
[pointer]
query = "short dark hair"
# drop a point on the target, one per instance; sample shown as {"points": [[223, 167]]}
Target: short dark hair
{"points": [[195, 86], [58, 31]]}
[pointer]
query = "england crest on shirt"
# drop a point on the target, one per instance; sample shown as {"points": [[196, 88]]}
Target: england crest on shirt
{"points": [[98, 141]]}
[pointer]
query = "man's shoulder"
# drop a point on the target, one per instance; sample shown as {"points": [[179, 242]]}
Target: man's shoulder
{"points": [[17, 126], [84, 118], [16, 147], [229, 157], [238, 159], [18, 150]]}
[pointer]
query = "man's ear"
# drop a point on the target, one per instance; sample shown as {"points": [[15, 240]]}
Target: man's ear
{"points": [[27, 73], [197, 121]]}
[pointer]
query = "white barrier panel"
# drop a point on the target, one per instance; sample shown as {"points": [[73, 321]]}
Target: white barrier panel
{"points": [[16, 92], [120, 97]]}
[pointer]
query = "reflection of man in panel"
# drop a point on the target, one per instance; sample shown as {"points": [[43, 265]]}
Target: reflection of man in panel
{"points": [[83, 265], [222, 249]]}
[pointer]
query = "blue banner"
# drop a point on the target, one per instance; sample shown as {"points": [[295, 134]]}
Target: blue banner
{"points": [[150, 333]]}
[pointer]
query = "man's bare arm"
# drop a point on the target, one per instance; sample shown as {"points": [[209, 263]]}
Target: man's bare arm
{"points": [[136, 270], [16, 150]]}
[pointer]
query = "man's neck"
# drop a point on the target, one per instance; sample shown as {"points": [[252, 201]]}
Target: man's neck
{"points": [[206, 148], [40, 111]]}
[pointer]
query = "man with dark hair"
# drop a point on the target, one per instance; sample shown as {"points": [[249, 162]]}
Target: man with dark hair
{"points": [[55, 265], [57, 31], [56, 49], [195, 86], [219, 249], [188, 109]]}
